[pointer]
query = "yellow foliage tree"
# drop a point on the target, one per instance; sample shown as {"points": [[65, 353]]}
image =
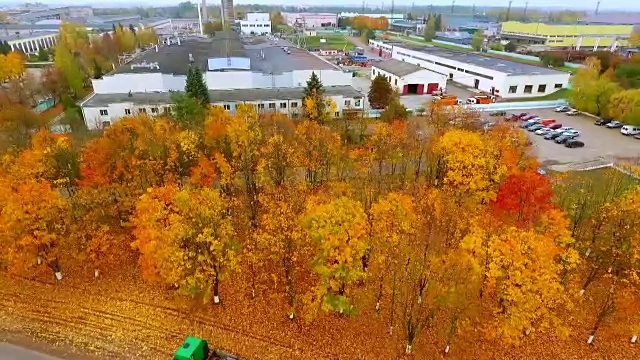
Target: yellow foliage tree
{"points": [[186, 239], [11, 66], [339, 231]]}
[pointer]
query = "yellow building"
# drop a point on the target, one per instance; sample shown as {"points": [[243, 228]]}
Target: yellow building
{"points": [[577, 36]]}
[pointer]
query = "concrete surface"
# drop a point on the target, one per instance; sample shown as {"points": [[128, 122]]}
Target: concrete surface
{"points": [[13, 352], [600, 142]]}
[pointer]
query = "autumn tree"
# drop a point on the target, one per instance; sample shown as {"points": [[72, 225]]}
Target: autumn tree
{"points": [[591, 91], [339, 232], [478, 40], [468, 166], [380, 92], [523, 197], [11, 66], [395, 110], [317, 151], [430, 29], [33, 225], [627, 107], [17, 123], [393, 224], [68, 67], [315, 106], [186, 239]]}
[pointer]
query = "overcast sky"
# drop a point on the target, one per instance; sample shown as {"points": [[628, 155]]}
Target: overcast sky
{"points": [[575, 4]]}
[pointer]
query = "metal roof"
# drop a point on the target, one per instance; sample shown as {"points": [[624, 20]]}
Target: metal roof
{"points": [[23, 36], [218, 96], [397, 67], [511, 68]]}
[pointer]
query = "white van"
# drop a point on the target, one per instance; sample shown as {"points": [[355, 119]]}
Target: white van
{"points": [[630, 130]]}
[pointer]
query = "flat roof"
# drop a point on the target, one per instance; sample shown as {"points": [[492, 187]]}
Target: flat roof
{"points": [[397, 67], [23, 36], [277, 61], [511, 68], [174, 59], [216, 96]]}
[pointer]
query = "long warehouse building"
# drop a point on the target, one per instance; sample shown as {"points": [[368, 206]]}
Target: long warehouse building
{"points": [[503, 78], [235, 72]]}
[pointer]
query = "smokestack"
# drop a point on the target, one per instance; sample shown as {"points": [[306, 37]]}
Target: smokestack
{"points": [[204, 11], [199, 21], [598, 8]]}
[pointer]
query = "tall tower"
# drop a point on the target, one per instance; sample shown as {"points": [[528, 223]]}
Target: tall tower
{"points": [[227, 12], [205, 18]]}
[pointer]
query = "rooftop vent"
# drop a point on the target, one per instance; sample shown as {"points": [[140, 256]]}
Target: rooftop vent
{"points": [[146, 65]]}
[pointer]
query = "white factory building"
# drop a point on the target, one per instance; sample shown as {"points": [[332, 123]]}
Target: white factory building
{"points": [[503, 78], [408, 78], [311, 20], [255, 24], [31, 43], [396, 16], [262, 74]]}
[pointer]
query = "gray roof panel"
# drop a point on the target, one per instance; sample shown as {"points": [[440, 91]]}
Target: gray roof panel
{"points": [[397, 67], [218, 96]]}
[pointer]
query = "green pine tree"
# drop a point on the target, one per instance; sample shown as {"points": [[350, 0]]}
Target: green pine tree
{"points": [[380, 92], [314, 91], [196, 87]]}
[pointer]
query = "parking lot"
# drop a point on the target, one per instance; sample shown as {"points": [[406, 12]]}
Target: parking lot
{"points": [[599, 141]]}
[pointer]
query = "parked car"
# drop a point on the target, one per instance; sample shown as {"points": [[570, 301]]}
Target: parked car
{"points": [[563, 138], [573, 112], [555, 126], [512, 117], [544, 131], [552, 135], [573, 143], [547, 122], [521, 115], [575, 133], [630, 130], [602, 122], [498, 113], [527, 124], [614, 125], [563, 109], [528, 117], [535, 127]]}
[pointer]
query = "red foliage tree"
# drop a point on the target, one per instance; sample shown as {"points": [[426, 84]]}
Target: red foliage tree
{"points": [[522, 197]]}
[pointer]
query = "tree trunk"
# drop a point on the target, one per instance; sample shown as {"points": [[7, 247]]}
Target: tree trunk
{"points": [[55, 267], [216, 289], [379, 293]]}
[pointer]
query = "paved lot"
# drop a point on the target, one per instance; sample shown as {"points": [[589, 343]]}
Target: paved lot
{"points": [[600, 142], [13, 352]]}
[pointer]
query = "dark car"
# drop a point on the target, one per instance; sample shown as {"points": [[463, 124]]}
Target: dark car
{"points": [[602, 122], [535, 127], [555, 126], [498, 113], [527, 124], [521, 115], [528, 117], [552, 135], [573, 143], [563, 138]]}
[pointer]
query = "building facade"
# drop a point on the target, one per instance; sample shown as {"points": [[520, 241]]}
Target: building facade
{"points": [[567, 36], [407, 78], [396, 16], [263, 75], [256, 24], [503, 78], [31, 43], [311, 20]]}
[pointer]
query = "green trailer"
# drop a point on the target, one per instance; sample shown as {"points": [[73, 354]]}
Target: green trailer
{"points": [[194, 348]]}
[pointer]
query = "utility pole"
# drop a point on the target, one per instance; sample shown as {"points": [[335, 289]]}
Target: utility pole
{"points": [[509, 10], [526, 7], [393, 5], [453, 5], [597, 7], [362, 7], [473, 9]]}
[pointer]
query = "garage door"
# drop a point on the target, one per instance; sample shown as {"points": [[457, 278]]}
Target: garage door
{"points": [[432, 87]]}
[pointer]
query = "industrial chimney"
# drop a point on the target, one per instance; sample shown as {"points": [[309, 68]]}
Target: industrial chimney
{"points": [[205, 18], [228, 14]]}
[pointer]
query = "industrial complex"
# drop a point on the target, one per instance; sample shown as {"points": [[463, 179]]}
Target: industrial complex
{"points": [[235, 71], [408, 78], [503, 78]]}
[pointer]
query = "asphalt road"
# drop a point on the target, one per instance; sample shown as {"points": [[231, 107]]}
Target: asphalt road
{"points": [[13, 352]]}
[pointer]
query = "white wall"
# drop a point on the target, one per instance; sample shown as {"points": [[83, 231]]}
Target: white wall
{"points": [[550, 82], [424, 77], [115, 111], [254, 80], [295, 106], [256, 27], [258, 17], [146, 82]]}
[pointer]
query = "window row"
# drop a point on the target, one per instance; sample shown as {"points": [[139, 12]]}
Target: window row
{"points": [[528, 89], [127, 111]]}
